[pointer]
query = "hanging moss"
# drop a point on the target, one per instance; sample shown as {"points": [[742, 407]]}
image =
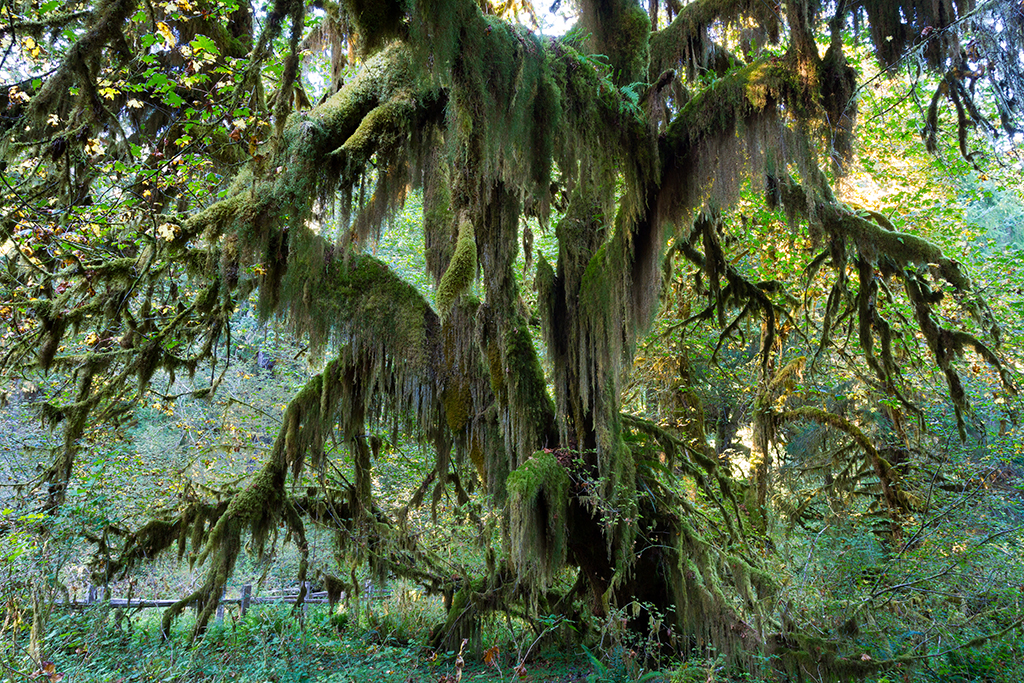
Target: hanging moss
{"points": [[687, 40], [538, 500], [723, 135]]}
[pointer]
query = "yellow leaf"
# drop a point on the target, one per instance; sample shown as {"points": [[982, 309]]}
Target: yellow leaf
{"points": [[167, 231], [167, 33]]}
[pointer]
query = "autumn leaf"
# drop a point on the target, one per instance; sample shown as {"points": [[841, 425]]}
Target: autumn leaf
{"points": [[165, 30]]}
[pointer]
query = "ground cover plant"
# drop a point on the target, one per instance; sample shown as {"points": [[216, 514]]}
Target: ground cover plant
{"points": [[635, 339]]}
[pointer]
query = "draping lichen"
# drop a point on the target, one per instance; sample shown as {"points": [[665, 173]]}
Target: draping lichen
{"points": [[538, 499]]}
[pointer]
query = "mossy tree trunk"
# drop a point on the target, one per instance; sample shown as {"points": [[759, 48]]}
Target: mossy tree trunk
{"points": [[495, 123]]}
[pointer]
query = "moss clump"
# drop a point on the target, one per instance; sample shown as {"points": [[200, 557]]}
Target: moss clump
{"points": [[538, 499], [461, 271]]}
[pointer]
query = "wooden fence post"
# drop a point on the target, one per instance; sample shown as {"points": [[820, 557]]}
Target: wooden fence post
{"points": [[92, 595], [246, 596], [220, 605]]}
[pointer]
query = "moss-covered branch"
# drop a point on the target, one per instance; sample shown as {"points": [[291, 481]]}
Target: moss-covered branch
{"points": [[687, 41], [882, 252], [895, 499], [106, 27]]}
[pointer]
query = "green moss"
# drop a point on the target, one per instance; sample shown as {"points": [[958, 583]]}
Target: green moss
{"points": [[461, 272], [688, 41], [634, 30], [382, 128], [742, 92], [620, 30], [538, 499], [523, 369], [462, 623]]}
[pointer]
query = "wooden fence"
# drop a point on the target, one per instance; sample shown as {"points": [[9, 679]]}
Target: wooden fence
{"points": [[245, 600]]}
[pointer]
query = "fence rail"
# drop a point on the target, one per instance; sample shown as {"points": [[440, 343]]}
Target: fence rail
{"points": [[244, 601]]}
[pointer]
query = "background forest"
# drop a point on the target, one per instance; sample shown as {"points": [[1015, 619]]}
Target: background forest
{"points": [[681, 346]]}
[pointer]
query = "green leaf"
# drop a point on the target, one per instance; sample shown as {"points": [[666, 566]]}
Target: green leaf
{"points": [[172, 99], [203, 43], [158, 80]]}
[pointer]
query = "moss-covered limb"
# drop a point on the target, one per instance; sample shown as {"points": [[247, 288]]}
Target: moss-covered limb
{"points": [[889, 479], [750, 297], [307, 145], [878, 248], [155, 537], [868, 233], [364, 301], [722, 135], [382, 128], [960, 341], [687, 41], [693, 463], [461, 271], [106, 27], [947, 344], [52, 23], [871, 321], [365, 534], [389, 364], [260, 507], [381, 78], [405, 362]]}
